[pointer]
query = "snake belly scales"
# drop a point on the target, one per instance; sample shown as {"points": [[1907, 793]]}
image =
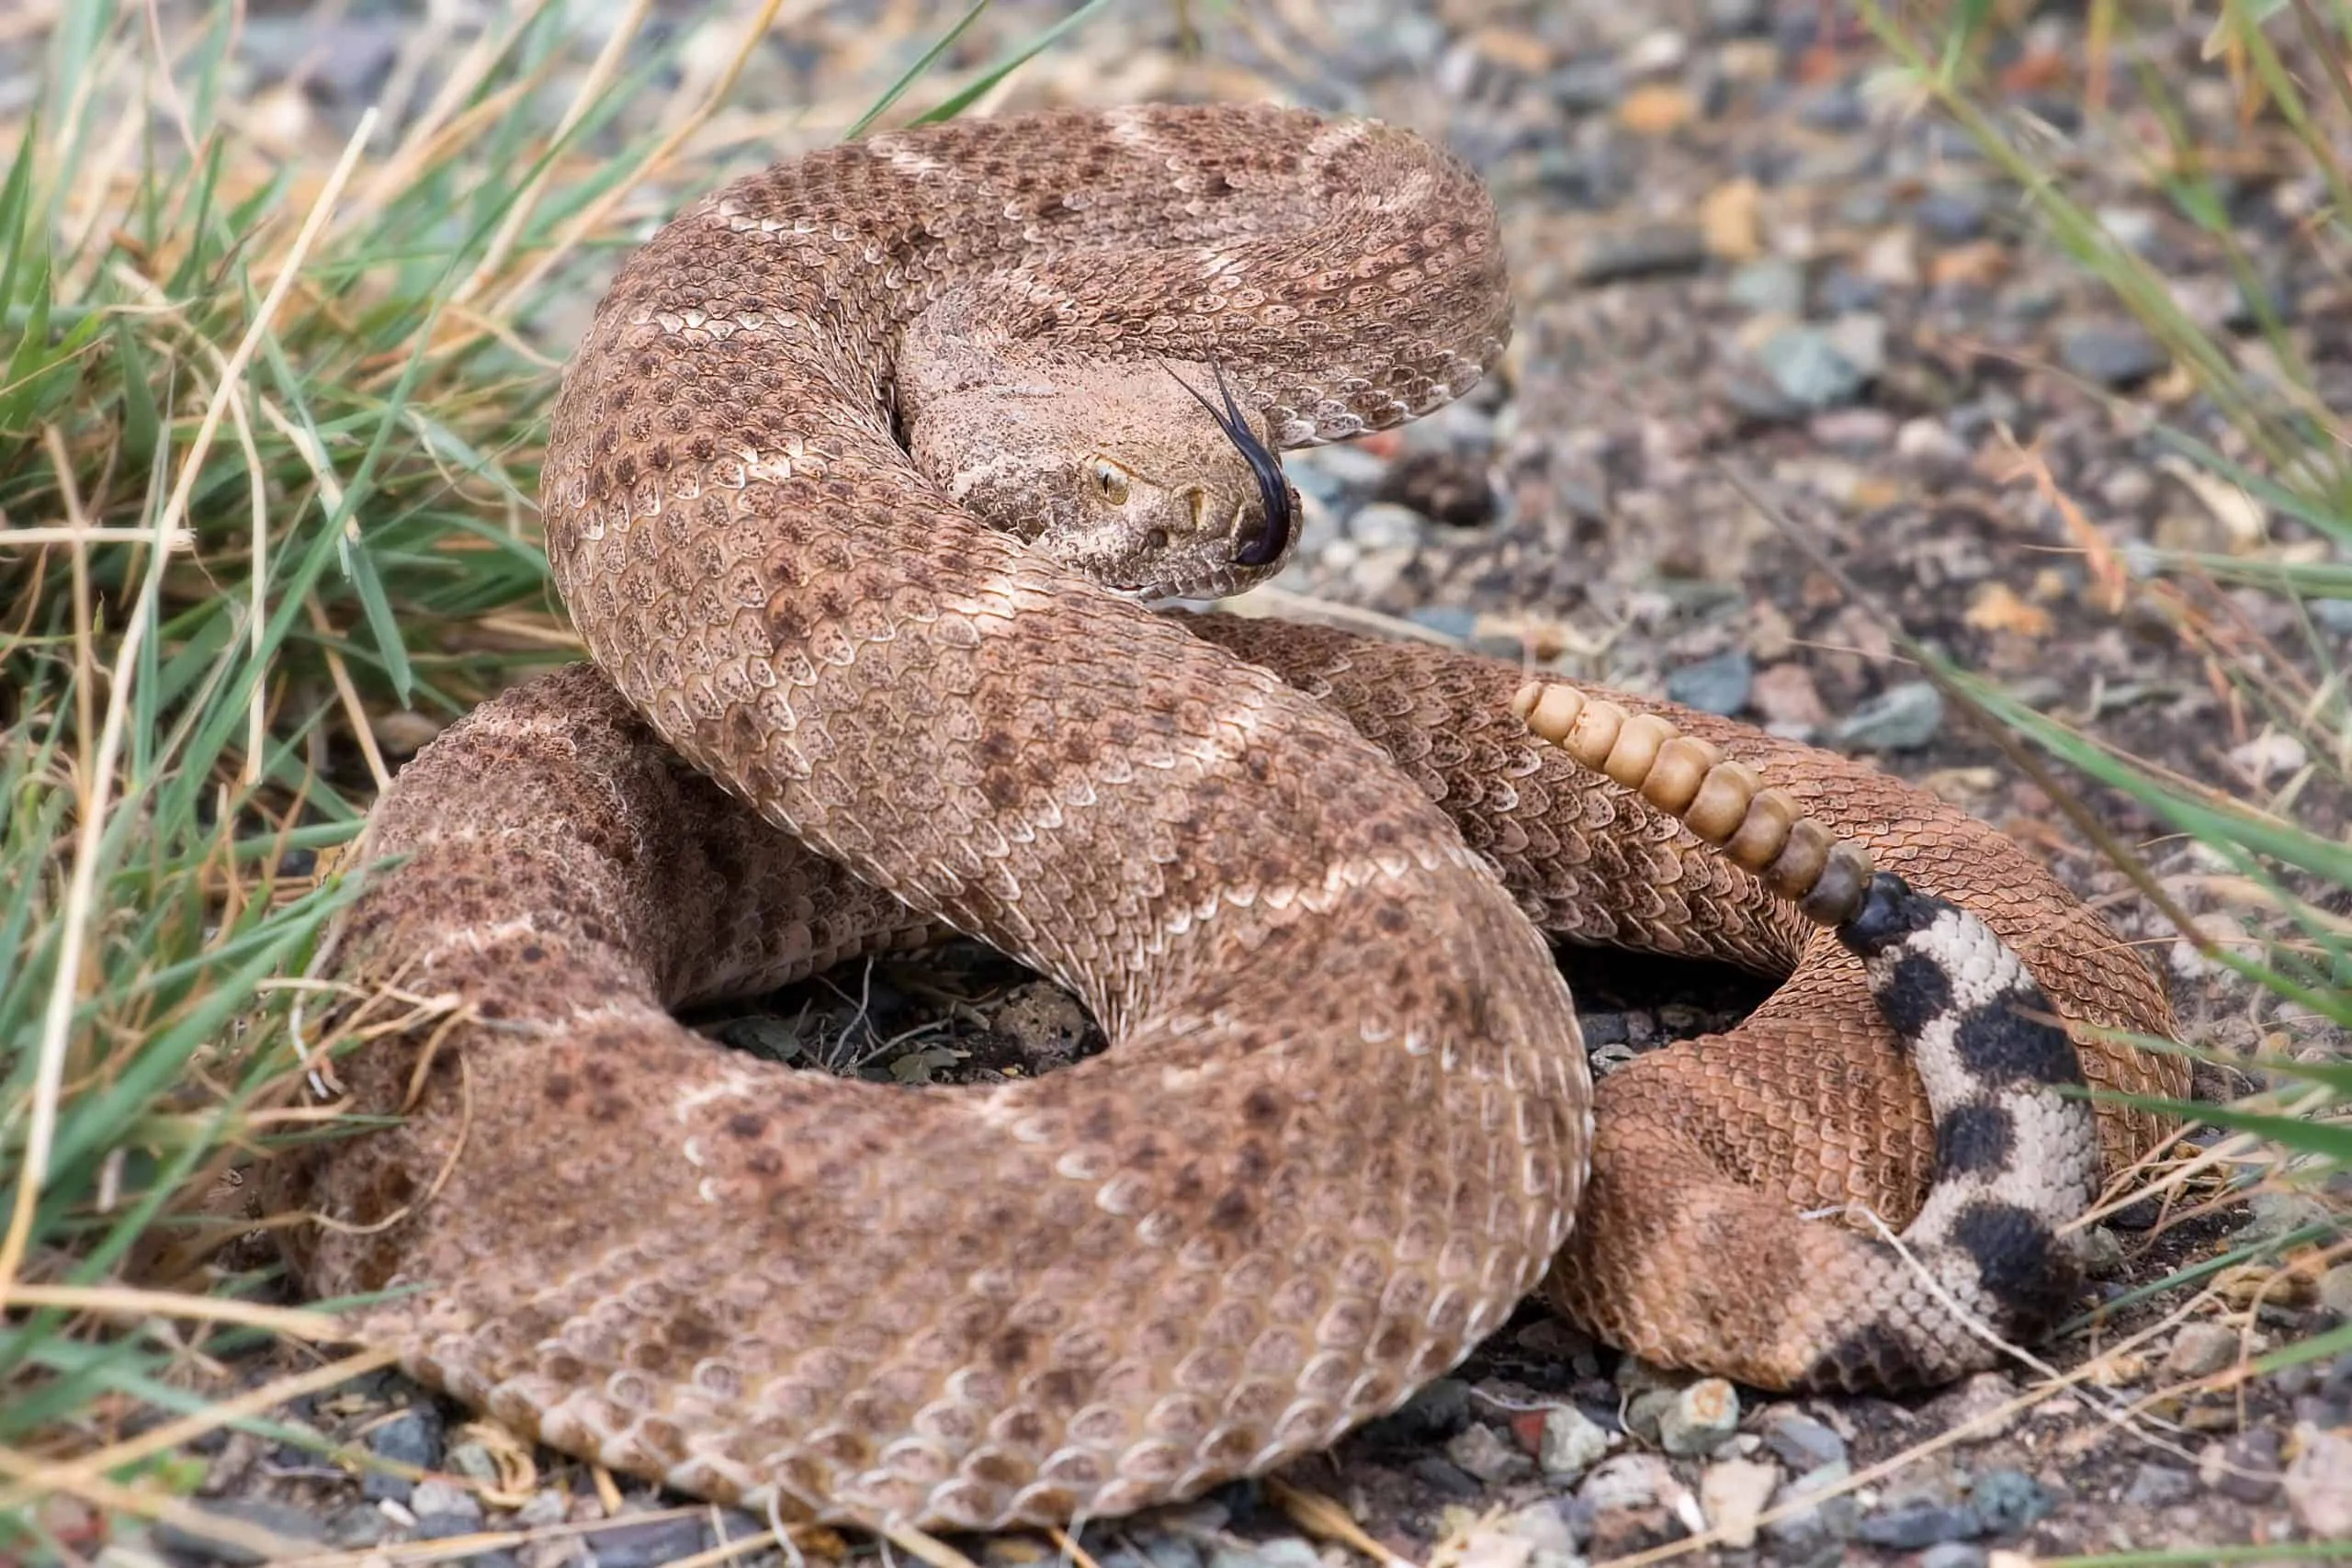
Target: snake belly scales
{"points": [[1303, 878]]}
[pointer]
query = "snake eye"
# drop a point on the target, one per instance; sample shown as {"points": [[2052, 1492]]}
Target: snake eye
{"points": [[1112, 480]]}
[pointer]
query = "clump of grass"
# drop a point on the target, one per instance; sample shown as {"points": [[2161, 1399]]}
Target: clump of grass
{"points": [[268, 427], [2254, 432]]}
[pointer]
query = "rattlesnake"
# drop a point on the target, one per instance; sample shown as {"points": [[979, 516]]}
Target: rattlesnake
{"points": [[1301, 877]]}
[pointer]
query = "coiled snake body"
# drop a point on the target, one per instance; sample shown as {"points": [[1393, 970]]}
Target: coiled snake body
{"points": [[1302, 878]]}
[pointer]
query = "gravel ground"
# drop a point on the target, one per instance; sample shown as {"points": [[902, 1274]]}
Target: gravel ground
{"points": [[1732, 257]]}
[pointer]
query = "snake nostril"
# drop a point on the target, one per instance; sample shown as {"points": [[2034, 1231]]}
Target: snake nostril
{"points": [[1156, 540]]}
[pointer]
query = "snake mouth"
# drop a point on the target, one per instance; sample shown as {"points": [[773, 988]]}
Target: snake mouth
{"points": [[1266, 546]]}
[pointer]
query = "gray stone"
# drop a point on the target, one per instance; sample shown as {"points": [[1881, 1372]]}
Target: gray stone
{"points": [[2336, 1290], [1586, 86], [2133, 228], [2200, 1349], [1715, 685], [1952, 214], [2008, 1501], [1908, 1527], [412, 1436], [645, 1545], [1154, 1548], [1853, 429], [2102, 1253], [2112, 355], [2270, 1215], [1484, 1453], [1383, 524], [1904, 718], [2158, 1486], [2245, 1468], [1835, 105], [1860, 338], [2319, 1483], [1651, 250], [1803, 1443], [1773, 285], [1573, 1443], [443, 1509], [475, 1461], [1282, 1552], [1843, 288], [1953, 1554], [1447, 1478], [279, 1519], [1700, 1419], [1647, 1409], [1809, 1531], [1807, 367]]}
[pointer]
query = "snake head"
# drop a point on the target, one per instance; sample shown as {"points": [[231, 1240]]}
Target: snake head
{"points": [[1123, 471]]}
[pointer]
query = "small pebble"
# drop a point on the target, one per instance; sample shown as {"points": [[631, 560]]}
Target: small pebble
{"points": [[2200, 1349], [1807, 370], [2008, 1501], [1282, 1552], [2270, 1215], [1733, 1492], [1854, 430], [1715, 685], [1586, 86], [1953, 1554], [2335, 1290], [647, 1544], [1929, 444], [2113, 356], [1446, 1478], [412, 1436], [1700, 1419], [1950, 214], [475, 1461], [1543, 1526], [1904, 718], [1772, 287], [1573, 1443], [2102, 1253], [1650, 251], [1484, 1452], [2133, 228], [1803, 1443], [2157, 1486], [2245, 1468], [442, 1508], [1908, 1527], [2319, 1482], [1383, 524], [1811, 1531]]}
